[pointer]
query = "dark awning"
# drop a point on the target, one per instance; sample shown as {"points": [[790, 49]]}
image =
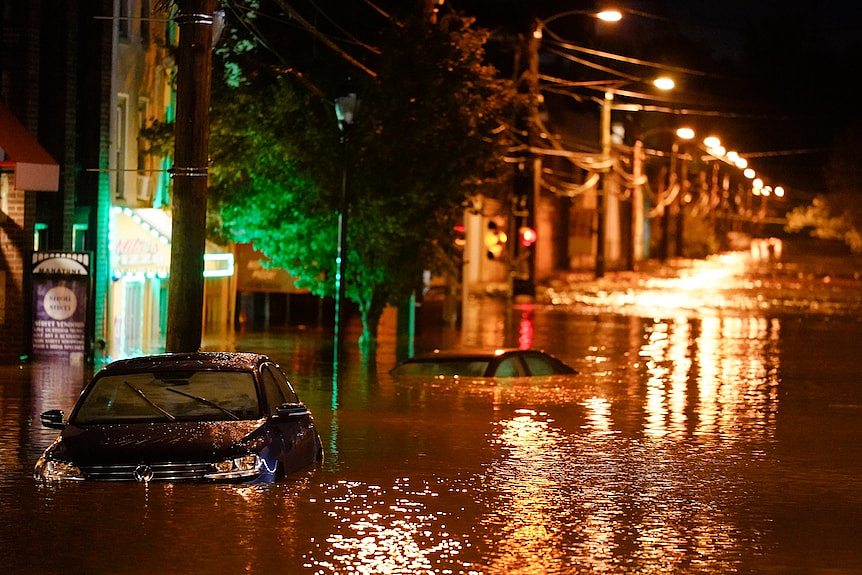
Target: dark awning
{"points": [[35, 169]]}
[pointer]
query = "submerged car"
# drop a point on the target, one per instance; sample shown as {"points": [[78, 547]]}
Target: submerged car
{"points": [[204, 416], [509, 362]]}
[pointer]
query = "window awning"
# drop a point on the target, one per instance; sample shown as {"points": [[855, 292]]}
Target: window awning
{"points": [[35, 169]]}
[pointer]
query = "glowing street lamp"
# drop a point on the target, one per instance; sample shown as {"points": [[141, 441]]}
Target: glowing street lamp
{"points": [[610, 16], [637, 220]]}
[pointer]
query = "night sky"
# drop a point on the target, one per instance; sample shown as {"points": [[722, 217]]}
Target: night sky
{"points": [[781, 76]]}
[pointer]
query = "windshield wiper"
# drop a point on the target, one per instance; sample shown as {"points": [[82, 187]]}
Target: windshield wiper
{"points": [[205, 401], [143, 396]]}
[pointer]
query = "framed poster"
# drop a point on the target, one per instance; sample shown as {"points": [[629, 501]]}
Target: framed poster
{"points": [[61, 288]]}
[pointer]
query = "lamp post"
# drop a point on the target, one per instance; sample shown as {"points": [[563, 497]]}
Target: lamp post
{"points": [[605, 165], [605, 138], [345, 110], [532, 179], [662, 83], [637, 248]]}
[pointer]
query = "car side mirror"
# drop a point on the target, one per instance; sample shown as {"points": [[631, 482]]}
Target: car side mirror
{"points": [[289, 410], [53, 418]]}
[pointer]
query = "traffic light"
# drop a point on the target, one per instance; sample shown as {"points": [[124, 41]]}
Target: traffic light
{"points": [[495, 241], [526, 236], [460, 236]]}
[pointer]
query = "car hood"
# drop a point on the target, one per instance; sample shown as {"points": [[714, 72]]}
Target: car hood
{"points": [[155, 442]]}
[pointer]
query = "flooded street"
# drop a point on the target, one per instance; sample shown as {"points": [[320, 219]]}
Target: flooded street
{"points": [[715, 427]]}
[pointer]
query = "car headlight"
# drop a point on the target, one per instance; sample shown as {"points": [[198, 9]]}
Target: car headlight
{"points": [[238, 467], [51, 470]]}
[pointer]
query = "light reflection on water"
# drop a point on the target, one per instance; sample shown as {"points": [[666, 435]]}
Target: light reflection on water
{"points": [[384, 530], [701, 439]]}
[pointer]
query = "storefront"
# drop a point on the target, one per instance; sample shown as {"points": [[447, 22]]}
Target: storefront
{"points": [[140, 245]]}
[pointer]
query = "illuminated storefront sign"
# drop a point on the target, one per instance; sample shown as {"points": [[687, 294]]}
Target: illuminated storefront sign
{"points": [[140, 241], [61, 287]]}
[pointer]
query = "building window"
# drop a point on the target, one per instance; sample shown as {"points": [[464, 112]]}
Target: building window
{"points": [[120, 117], [145, 21], [4, 192], [143, 182], [79, 237], [40, 236], [123, 19]]}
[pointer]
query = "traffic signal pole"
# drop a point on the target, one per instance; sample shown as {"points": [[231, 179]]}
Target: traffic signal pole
{"points": [[527, 181]]}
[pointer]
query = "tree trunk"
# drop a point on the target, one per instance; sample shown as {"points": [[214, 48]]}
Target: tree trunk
{"points": [[370, 312]]}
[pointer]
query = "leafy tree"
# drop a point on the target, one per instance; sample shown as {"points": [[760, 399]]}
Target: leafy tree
{"points": [[428, 134], [837, 215]]}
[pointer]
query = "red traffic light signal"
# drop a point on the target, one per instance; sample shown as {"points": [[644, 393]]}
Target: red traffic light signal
{"points": [[527, 236], [460, 236]]}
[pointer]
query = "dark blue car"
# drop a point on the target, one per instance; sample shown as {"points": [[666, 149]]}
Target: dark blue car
{"points": [[205, 416]]}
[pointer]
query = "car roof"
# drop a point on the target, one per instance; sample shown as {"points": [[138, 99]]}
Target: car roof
{"points": [[486, 354], [199, 360]]}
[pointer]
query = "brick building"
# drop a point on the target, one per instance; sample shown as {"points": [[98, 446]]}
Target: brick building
{"points": [[55, 74]]}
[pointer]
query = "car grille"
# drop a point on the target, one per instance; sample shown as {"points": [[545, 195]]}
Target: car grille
{"points": [[148, 472]]}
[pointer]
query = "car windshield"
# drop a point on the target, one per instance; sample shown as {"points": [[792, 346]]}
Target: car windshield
{"points": [[169, 396], [469, 367]]}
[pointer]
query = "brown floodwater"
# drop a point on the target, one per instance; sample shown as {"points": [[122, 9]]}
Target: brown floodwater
{"points": [[715, 427]]}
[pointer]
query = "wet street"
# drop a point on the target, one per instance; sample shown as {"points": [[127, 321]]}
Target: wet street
{"points": [[715, 427]]}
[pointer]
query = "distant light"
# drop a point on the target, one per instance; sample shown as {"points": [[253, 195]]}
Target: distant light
{"points": [[711, 142], [218, 265], [664, 83], [741, 163], [732, 156], [527, 236], [779, 191], [610, 15], [685, 133], [757, 183]]}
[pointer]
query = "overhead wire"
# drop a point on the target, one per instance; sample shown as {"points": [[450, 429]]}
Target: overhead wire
{"points": [[348, 36], [325, 39], [628, 60]]}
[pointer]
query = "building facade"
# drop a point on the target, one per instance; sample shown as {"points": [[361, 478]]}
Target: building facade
{"points": [[92, 89], [54, 81]]}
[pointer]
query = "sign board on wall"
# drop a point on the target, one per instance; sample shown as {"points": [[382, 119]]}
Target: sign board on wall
{"points": [[140, 242], [254, 276], [61, 288]]}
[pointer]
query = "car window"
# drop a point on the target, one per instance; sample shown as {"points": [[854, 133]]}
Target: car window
{"points": [[508, 367], [462, 368], [157, 396], [540, 365], [280, 379], [274, 394]]}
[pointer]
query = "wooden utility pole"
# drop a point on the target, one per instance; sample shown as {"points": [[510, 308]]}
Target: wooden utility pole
{"points": [[189, 201]]}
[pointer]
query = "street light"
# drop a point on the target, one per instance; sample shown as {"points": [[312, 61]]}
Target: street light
{"points": [[604, 166], [345, 111], [637, 247], [527, 185], [662, 83]]}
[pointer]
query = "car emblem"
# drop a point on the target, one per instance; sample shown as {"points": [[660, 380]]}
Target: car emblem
{"points": [[143, 473]]}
